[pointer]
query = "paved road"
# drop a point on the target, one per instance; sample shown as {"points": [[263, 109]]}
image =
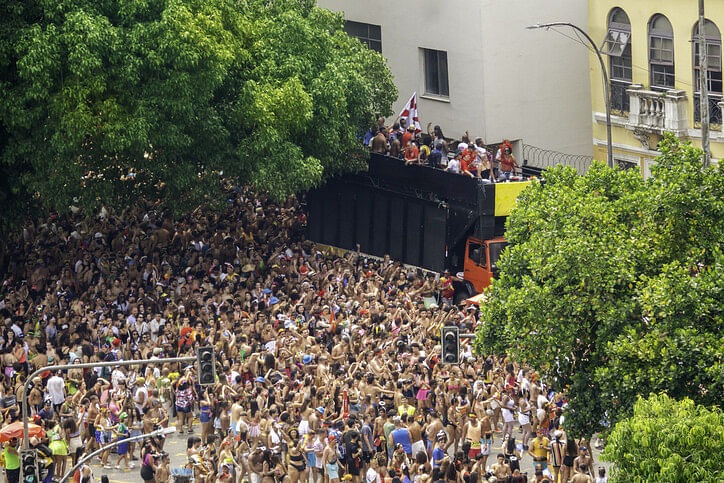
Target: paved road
{"points": [[176, 447]]}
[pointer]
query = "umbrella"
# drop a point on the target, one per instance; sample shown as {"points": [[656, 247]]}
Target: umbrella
{"points": [[15, 430]]}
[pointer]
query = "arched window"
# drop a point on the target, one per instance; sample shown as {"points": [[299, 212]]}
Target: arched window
{"points": [[617, 45], [661, 52], [712, 39]]}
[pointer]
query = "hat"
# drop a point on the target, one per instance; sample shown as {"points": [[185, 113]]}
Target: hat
{"points": [[558, 434], [320, 409], [273, 301], [266, 290], [306, 359], [259, 379], [123, 415], [157, 351]]}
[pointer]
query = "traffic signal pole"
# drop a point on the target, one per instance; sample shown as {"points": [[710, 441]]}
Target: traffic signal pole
{"points": [[87, 365]]}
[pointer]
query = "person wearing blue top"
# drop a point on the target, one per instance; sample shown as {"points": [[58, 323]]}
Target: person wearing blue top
{"points": [[400, 435], [438, 453]]}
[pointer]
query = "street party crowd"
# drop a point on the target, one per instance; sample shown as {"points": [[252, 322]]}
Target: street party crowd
{"points": [[327, 366]]}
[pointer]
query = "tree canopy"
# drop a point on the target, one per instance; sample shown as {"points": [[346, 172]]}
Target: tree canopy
{"points": [[613, 285], [104, 102], [667, 440]]}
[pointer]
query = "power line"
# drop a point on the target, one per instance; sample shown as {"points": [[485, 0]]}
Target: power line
{"points": [[633, 66]]}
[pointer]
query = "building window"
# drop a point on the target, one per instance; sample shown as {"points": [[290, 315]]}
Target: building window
{"points": [[661, 52], [712, 40], [617, 45], [368, 34], [436, 81]]}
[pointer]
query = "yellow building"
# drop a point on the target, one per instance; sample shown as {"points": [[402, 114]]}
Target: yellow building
{"points": [[653, 64]]}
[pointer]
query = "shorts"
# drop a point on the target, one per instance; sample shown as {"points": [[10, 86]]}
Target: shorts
{"points": [[205, 417], [122, 448], [311, 459], [185, 410], [473, 453], [486, 443], [332, 470], [101, 437], [136, 432]]}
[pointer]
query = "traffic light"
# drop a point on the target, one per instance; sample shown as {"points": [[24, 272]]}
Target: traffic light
{"points": [[207, 366], [450, 342], [29, 466]]}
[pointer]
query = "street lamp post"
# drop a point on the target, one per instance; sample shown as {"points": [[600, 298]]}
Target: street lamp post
{"points": [[605, 79]]}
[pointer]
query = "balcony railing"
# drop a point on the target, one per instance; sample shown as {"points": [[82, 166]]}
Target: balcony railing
{"points": [[657, 111]]}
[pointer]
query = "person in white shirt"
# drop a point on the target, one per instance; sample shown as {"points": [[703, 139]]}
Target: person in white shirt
{"points": [[372, 476], [453, 165], [56, 390]]}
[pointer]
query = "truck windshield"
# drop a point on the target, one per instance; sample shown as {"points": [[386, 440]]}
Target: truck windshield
{"points": [[495, 250]]}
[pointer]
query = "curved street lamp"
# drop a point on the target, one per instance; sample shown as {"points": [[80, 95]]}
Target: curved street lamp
{"points": [[605, 78]]}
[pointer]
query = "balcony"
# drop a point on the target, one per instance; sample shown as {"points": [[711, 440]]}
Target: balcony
{"points": [[655, 112]]}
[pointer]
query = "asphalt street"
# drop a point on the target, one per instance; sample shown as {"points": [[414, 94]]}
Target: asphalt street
{"points": [[176, 448]]}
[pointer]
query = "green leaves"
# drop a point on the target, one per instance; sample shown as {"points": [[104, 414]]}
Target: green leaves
{"points": [[667, 440], [268, 92], [612, 285]]}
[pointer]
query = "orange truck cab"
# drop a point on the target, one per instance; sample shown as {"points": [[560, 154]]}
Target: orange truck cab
{"points": [[481, 261]]}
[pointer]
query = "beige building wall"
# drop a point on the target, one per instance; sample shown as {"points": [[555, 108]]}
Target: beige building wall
{"points": [[504, 81]]}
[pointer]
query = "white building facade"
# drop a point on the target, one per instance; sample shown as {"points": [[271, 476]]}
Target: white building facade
{"points": [[476, 67]]}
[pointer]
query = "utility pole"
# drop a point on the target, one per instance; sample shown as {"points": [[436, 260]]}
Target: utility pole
{"points": [[704, 87]]}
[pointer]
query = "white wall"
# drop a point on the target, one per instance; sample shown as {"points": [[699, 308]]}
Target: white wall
{"points": [[505, 81]]}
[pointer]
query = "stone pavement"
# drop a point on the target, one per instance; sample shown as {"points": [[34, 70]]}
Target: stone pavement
{"points": [[176, 448]]}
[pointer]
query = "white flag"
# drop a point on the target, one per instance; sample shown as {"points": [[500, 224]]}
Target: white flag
{"points": [[409, 112]]}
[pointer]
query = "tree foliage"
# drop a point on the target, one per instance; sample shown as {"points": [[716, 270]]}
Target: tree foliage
{"points": [[106, 101], [612, 285], [667, 441]]}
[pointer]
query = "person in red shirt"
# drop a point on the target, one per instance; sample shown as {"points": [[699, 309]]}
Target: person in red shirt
{"points": [[412, 154], [507, 161], [469, 163], [409, 133]]}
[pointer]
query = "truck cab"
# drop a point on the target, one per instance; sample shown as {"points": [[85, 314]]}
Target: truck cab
{"points": [[481, 261]]}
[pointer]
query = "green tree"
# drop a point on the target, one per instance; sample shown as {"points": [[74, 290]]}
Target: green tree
{"points": [[105, 102], [612, 285], [667, 441]]}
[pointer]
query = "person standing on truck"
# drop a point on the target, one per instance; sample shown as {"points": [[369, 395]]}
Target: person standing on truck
{"points": [[507, 161], [469, 162], [483, 161], [379, 142]]}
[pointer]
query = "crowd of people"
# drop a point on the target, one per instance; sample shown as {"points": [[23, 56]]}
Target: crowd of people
{"points": [[327, 366], [466, 156]]}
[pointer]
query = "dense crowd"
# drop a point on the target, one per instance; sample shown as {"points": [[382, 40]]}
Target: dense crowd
{"points": [[464, 156], [328, 366]]}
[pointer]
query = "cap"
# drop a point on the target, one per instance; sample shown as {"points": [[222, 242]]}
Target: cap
{"points": [[259, 379], [123, 415], [306, 359]]}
